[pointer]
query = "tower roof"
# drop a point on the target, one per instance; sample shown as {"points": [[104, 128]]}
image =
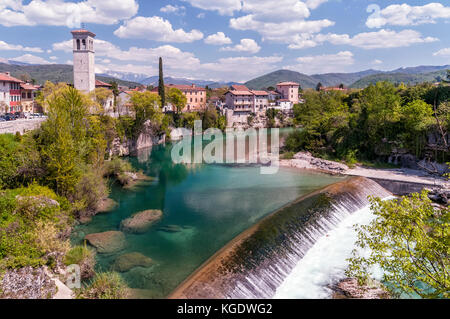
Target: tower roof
{"points": [[83, 31]]}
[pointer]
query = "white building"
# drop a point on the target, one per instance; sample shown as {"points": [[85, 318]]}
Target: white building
{"points": [[83, 60], [289, 91], [10, 93]]}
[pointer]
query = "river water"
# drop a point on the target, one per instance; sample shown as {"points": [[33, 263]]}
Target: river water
{"points": [[208, 204]]}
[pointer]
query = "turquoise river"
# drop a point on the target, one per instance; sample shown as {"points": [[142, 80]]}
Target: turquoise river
{"points": [[208, 204]]}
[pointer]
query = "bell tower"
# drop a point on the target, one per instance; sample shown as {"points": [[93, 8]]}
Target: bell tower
{"points": [[83, 60]]}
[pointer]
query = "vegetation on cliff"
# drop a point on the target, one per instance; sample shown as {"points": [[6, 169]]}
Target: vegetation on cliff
{"points": [[409, 240], [374, 123]]}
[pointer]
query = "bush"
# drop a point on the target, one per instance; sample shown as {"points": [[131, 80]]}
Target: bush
{"points": [[83, 257], [8, 161], [287, 156], [90, 190], [107, 285], [33, 228]]}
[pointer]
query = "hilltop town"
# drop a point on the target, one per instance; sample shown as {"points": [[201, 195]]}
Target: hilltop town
{"points": [[241, 107]]}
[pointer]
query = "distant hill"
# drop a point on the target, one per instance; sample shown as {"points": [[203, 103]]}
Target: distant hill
{"points": [[397, 78], [53, 73], [410, 75], [154, 80], [273, 78], [335, 79], [307, 81]]}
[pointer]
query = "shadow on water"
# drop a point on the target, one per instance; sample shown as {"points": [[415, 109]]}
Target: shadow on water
{"points": [[204, 207]]}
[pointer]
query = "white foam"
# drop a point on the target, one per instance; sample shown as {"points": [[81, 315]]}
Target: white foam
{"points": [[325, 263]]}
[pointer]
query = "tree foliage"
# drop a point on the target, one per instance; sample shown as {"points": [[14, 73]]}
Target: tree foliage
{"points": [[409, 240]]}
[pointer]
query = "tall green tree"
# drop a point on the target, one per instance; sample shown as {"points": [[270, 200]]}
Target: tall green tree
{"points": [[115, 90], [161, 87], [63, 140], [177, 99]]}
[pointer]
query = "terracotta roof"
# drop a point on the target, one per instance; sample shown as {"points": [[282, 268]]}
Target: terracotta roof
{"points": [[28, 86], [8, 78], [82, 31], [284, 100], [240, 92], [287, 83], [100, 83], [239, 88], [186, 87], [260, 92]]}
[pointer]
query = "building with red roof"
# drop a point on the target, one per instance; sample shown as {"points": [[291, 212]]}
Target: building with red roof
{"points": [[196, 96], [289, 91], [10, 93]]}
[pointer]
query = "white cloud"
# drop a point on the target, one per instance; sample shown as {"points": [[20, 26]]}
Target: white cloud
{"points": [[404, 15], [179, 10], [377, 62], [31, 59], [246, 45], [17, 47], [313, 4], [66, 13], [218, 38], [53, 58], [172, 55], [326, 63], [382, 39], [201, 15], [280, 21], [156, 28], [224, 7], [443, 53]]}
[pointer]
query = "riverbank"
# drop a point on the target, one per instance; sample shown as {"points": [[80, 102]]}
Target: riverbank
{"points": [[306, 161]]}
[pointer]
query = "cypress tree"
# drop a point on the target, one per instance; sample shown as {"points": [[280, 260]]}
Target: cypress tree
{"points": [[161, 88]]}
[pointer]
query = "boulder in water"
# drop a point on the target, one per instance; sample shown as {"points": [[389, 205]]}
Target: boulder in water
{"points": [[171, 229], [129, 261], [140, 223], [107, 242]]}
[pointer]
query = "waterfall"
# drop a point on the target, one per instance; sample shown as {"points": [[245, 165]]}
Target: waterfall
{"points": [[267, 262]]}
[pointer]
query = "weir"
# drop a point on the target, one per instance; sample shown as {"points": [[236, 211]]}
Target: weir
{"points": [[257, 262]]}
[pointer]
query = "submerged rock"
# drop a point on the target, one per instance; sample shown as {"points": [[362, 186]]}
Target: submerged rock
{"points": [[350, 289], [129, 261], [140, 223], [107, 242], [106, 205], [171, 229]]}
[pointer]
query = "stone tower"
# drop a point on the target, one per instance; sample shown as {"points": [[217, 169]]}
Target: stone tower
{"points": [[83, 60]]}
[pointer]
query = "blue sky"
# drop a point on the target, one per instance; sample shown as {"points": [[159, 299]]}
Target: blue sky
{"points": [[231, 40]]}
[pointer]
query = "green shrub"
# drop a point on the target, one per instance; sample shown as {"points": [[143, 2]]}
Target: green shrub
{"points": [[83, 257], [90, 190], [107, 285], [287, 156], [31, 227], [8, 162]]}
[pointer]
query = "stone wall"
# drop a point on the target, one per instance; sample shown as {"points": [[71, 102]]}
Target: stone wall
{"points": [[21, 126]]}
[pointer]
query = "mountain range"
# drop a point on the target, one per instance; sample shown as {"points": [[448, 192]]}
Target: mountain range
{"points": [[412, 75], [64, 73]]}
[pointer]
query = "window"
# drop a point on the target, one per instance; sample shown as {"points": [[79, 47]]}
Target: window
{"points": [[78, 44]]}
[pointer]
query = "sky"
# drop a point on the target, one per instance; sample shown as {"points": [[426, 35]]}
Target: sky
{"points": [[230, 40]]}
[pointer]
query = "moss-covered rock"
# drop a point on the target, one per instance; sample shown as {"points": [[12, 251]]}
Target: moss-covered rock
{"points": [[140, 223], [129, 261], [107, 242]]}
